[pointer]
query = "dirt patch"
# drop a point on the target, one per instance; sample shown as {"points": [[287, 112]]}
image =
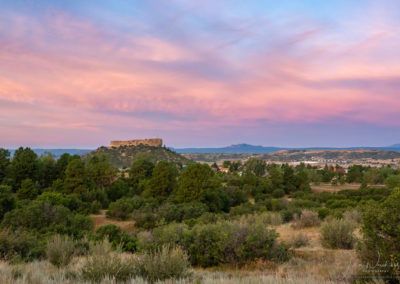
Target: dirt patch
{"points": [[101, 219], [334, 188]]}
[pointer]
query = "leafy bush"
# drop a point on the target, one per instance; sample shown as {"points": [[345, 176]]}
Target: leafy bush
{"points": [[28, 190], [60, 250], [323, 213], [381, 234], [289, 213], [44, 217], [278, 193], [235, 242], [7, 200], [338, 234], [20, 246], [123, 208], [307, 218], [164, 263], [117, 237], [145, 218]]}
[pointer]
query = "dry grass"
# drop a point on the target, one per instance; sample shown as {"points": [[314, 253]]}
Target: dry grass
{"points": [[101, 219], [334, 188], [311, 264], [296, 271]]}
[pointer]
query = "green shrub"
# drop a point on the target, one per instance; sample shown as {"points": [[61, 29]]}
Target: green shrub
{"points": [[145, 218], [117, 237], [28, 190], [323, 213], [123, 208], [278, 193], [338, 234], [243, 209], [381, 235], [7, 200], [20, 246], [164, 263], [60, 250], [307, 218], [288, 214]]}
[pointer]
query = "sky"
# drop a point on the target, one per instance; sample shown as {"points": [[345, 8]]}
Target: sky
{"points": [[290, 73]]}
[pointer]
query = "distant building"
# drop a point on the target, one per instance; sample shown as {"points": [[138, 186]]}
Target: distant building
{"points": [[155, 142]]}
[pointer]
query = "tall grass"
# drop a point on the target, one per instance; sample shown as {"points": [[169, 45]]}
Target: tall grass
{"points": [[60, 250], [338, 234]]}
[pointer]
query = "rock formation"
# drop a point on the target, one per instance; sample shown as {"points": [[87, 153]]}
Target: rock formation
{"points": [[155, 142]]}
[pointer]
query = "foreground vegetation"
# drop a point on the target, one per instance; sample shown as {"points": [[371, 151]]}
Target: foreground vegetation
{"points": [[258, 222]]}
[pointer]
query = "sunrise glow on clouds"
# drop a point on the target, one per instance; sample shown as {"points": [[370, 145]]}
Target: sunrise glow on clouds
{"points": [[200, 73]]}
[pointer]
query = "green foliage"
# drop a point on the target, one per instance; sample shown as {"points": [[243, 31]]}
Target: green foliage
{"points": [[393, 181], [338, 234], [4, 163], [28, 190], [234, 242], [278, 193], [60, 250], [381, 234], [44, 217], [124, 207], [257, 167], [47, 170], [24, 165], [163, 180], [75, 177], [117, 190], [20, 245], [70, 201], [141, 169], [100, 171], [194, 182], [276, 177], [117, 237], [7, 200]]}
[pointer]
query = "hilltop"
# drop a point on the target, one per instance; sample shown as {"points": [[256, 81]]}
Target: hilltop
{"points": [[124, 156]]}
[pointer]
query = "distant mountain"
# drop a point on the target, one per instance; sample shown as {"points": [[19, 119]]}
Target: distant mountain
{"points": [[58, 152], [124, 156], [252, 149]]}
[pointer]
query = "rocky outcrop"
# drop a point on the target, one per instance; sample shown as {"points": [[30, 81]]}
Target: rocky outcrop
{"points": [[155, 142]]}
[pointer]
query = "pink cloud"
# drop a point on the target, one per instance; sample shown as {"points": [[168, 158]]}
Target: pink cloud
{"points": [[68, 73]]}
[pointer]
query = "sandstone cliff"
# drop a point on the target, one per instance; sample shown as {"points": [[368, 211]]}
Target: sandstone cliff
{"points": [[155, 142]]}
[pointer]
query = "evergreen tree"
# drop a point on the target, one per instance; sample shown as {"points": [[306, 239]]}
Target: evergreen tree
{"points": [[24, 165]]}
